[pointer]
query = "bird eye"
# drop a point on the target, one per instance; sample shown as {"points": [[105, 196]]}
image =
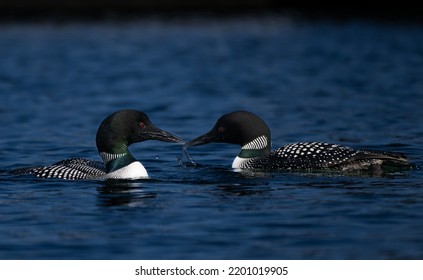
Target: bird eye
{"points": [[221, 129], [142, 125]]}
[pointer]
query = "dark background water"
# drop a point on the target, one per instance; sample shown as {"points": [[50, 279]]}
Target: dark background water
{"points": [[354, 82]]}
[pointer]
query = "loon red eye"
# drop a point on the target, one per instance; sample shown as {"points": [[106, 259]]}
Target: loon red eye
{"points": [[221, 129], [142, 125]]}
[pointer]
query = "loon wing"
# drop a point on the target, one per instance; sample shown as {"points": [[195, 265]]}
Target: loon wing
{"points": [[70, 169], [387, 155], [383, 158], [376, 162]]}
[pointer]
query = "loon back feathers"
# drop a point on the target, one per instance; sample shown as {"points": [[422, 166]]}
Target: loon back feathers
{"points": [[320, 155], [70, 169]]}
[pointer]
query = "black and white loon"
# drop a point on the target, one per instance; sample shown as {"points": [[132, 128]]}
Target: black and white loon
{"points": [[253, 135], [115, 134]]}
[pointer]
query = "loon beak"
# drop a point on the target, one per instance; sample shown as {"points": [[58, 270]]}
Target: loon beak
{"points": [[209, 137], [155, 133]]}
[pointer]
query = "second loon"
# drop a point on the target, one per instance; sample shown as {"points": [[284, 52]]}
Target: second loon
{"points": [[115, 134], [253, 135]]}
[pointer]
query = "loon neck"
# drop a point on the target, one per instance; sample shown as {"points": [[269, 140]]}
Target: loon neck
{"points": [[258, 147], [115, 161], [252, 153]]}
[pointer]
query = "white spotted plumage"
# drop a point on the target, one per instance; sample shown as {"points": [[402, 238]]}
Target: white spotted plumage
{"points": [[302, 155]]}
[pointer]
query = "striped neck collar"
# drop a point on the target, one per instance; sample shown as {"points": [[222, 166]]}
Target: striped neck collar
{"points": [[258, 147], [116, 161], [107, 157]]}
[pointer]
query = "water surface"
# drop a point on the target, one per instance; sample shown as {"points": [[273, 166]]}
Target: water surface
{"points": [[356, 83]]}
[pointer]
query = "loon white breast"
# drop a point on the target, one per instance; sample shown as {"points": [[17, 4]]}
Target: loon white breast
{"points": [[253, 135], [114, 135]]}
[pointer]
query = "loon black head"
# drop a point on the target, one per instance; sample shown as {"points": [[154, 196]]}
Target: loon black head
{"points": [[242, 128], [125, 127]]}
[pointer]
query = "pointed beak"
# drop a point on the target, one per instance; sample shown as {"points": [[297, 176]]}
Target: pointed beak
{"points": [[209, 137], [155, 133]]}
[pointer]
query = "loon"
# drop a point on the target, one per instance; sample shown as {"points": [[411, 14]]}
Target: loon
{"points": [[253, 135], [117, 131]]}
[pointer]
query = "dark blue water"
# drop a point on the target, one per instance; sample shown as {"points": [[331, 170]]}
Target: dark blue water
{"points": [[356, 83]]}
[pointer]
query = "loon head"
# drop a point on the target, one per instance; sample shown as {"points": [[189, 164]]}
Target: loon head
{"points": [[242, 128], [125, 127]]}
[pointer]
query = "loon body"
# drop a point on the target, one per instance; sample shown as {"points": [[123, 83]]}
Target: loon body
{"points": [[253, 135], [115, 134]]}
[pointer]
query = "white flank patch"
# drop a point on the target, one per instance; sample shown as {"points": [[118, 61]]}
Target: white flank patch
{"points": [[239, 162], [134, 170]]}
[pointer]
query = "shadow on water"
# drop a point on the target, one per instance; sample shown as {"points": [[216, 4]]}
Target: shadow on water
{"points": [[124, 193]]}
